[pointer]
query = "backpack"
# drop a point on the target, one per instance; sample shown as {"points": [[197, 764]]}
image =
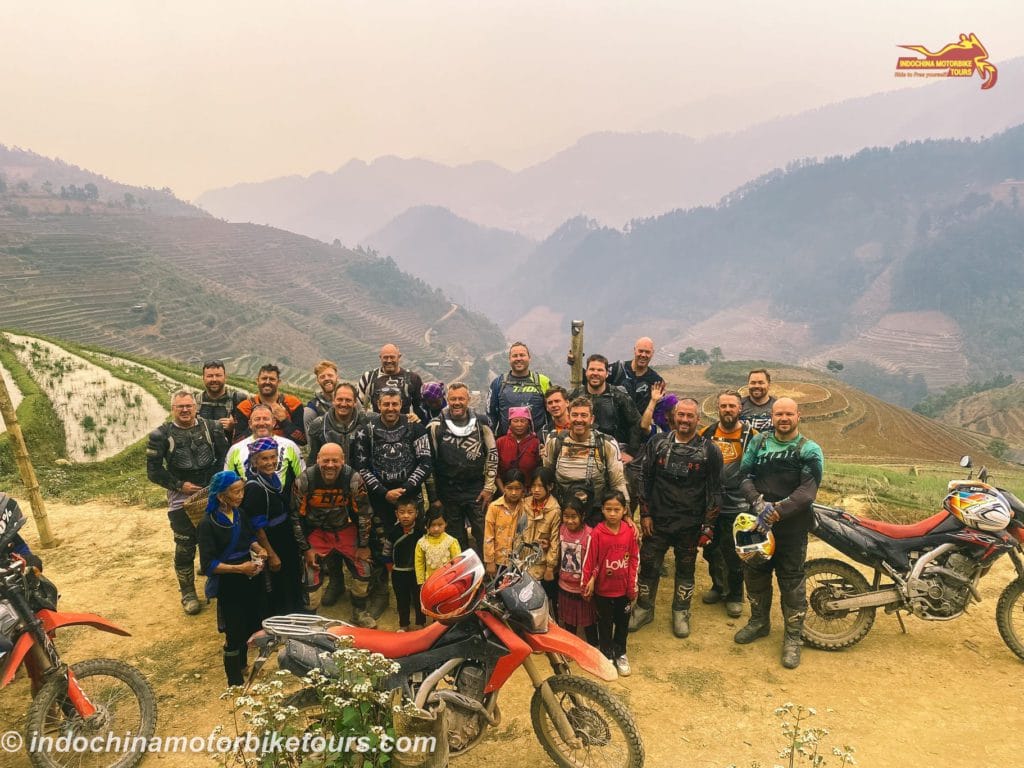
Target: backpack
{"points": [[746, 432], [403, 387], [598, 451]]}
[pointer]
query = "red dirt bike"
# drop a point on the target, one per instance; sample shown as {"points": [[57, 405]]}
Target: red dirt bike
{"points": [[932, 567], [88, 699], [461, 665]]}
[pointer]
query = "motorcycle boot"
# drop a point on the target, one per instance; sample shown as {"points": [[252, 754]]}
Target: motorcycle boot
{"points": [[717, 572], [794, 609], [335, 588], [378, 591], [360, 616], [759, 592], [643, 612], [681, 607]]}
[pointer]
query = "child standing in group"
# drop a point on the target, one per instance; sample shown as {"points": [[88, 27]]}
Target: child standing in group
{"points": [[435, 548], [609, 577], [505, 521], [399, 555], [574, 538], [542, 522]]}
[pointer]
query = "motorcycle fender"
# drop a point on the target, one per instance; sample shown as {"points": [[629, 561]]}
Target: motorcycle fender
{"points": [[53, 620], [518, 651], [557, 640]]}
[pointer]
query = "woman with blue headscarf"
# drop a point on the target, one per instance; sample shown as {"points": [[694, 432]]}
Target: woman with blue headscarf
{"points": [[267, 506], [232, 560]]}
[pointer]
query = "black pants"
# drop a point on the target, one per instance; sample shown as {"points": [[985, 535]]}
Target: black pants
{"points": [[683, 542], [407, 596], [551, 590], [612, 624], [724, 564], [241, 605], [788, 566], [184, 551], [462, 512]]}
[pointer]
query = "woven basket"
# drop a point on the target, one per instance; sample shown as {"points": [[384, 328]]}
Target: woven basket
{"points": [[195, 505]]}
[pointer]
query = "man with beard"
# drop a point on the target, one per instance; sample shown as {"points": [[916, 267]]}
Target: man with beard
{"points": [[614, 411], [181, 456], [392, 454], [217, 402], [681, 492], [584, 461], [326, 374], [636, 376], [391, 375], [465, 462], [334, 523], [756, 407], [287, 409], [781, 473], [339, 425], [518, 387], [731, 436], [289, 457]]}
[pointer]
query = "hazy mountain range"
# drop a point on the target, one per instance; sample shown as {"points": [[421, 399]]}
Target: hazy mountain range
{"points": [[615, 177]]}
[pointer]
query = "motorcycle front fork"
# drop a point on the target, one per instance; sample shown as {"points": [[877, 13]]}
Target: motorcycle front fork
{"points": [[551, 704]]}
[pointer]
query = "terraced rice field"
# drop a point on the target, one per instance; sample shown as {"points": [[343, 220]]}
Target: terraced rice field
{"points": [[102, 414]]}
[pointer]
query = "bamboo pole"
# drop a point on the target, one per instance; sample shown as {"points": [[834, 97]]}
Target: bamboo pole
{"points": [[576, 354], [28, 474]]}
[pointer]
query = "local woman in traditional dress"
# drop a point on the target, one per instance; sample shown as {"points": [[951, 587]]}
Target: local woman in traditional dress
{"points": [[232, 560], [267, 505]]}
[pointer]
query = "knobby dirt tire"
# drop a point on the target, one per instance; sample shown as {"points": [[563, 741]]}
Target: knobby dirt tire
{"points": [[605, 725], [1010, 617], [834, 630], [125, 704]]}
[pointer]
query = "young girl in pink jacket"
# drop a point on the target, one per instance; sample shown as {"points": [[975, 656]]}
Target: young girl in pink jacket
{"points": [[609, 577], [574, 537]]}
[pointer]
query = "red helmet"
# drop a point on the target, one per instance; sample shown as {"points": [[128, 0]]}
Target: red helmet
{"points": [[453, 590]]}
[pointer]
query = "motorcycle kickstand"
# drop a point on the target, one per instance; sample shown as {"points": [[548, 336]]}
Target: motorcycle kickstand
{"points": [[899, 618]]}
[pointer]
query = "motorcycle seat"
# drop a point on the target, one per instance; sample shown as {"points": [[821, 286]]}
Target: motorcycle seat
{"points": [[911, 531], [393, 645]]}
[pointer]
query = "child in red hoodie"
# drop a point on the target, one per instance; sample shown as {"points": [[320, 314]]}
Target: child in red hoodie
{"points": [[609, 577]]}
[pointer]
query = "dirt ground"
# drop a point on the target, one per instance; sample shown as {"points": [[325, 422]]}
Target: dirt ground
{"points": [[944, 695]]}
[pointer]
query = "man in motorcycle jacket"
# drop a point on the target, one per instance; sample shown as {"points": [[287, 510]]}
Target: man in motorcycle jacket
{"points": [[782, 471], [181, 456], [680, 495], [392, 454]]}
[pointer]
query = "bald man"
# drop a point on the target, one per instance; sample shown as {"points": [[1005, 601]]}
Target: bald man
{"points": [[782, 471], [636, 376], [391, 374], [333, 523]]}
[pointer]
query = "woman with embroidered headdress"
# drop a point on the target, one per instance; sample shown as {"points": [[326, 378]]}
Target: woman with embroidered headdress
{"points": [[267, 505], [232, 560], [432, 400]]}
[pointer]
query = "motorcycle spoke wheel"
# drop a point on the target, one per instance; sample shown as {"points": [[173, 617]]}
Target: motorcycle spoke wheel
{"points": [[124, 704], [831, 630], [1010, 616], [605, 734]]}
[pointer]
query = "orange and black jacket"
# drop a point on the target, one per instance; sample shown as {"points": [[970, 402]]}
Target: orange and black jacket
{"points": [[291, 427]]}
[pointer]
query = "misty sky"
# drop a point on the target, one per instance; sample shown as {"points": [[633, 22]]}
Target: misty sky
{"points": [[195, 95]]}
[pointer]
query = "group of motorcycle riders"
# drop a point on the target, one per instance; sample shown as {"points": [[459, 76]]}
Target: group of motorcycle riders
{"points": [[393, 463]]}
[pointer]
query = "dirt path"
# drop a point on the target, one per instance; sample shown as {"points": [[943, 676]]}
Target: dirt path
{"points": [[941, 696]]}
